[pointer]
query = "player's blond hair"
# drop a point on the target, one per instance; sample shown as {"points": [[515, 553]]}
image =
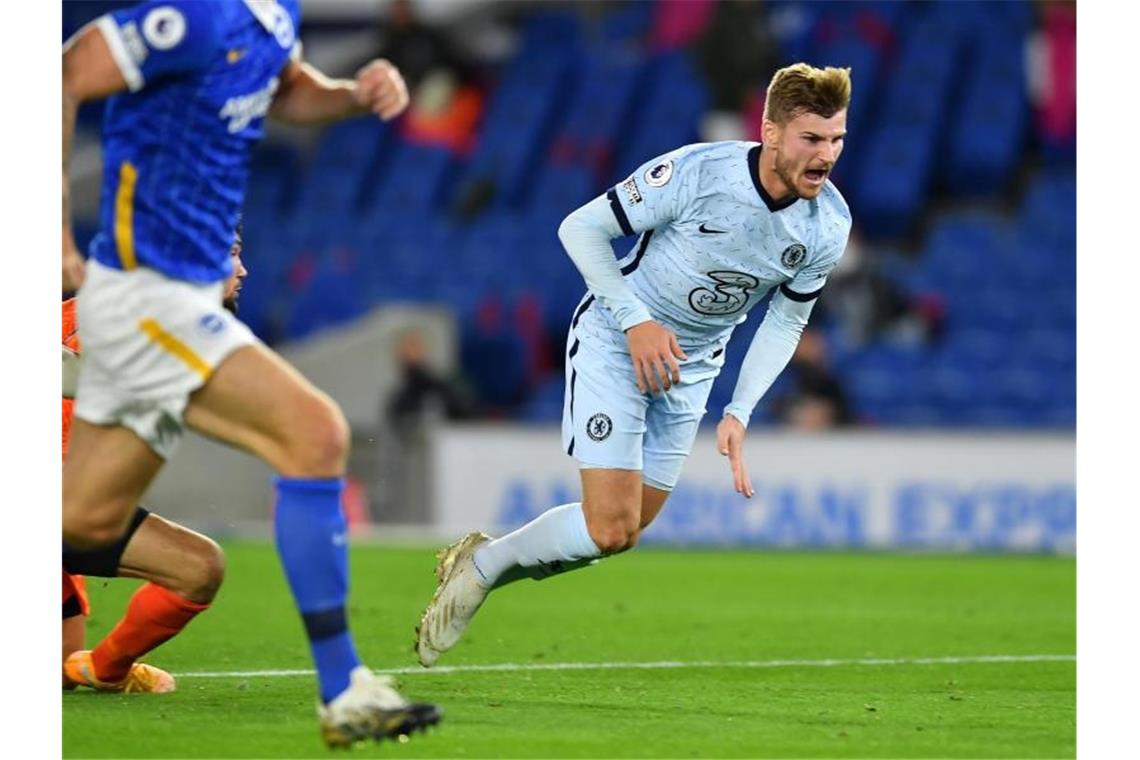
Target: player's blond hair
{"points": [[800, 88]]}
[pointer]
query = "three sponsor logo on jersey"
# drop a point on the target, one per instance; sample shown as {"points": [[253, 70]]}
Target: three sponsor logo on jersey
{"points": [[731, 292], [728, 296]]}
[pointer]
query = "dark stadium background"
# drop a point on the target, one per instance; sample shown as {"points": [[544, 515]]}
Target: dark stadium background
{"points": [[955, 306]]}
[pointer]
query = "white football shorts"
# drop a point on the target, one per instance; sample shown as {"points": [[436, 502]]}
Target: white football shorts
{"points": [[148, 342], [608, 423]]}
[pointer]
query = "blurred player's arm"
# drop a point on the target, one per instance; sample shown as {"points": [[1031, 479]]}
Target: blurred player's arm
{"points": [[124, 50], [306, 96], [89, 73]]}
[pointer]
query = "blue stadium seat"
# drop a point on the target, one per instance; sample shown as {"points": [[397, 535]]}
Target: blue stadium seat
{"points": [[895, 180], [331, 298], [414, 183], [991, 122]]}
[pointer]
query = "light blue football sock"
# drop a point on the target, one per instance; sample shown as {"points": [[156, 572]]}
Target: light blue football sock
{"points": [[552, 543]]}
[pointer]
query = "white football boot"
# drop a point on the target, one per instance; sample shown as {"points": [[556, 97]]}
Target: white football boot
{"points": [[456, 600], [371, 709]]}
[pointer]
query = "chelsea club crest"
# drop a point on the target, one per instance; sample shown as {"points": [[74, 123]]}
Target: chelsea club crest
{"points": [[793, 255]]}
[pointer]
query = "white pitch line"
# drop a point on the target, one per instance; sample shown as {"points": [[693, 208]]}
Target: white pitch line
{"points": [[663, 665]]}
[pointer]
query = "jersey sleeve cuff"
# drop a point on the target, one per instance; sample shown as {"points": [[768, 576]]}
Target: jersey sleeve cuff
{"points": [[118, 47], [799, 297], [633, 316], [739, 413]]}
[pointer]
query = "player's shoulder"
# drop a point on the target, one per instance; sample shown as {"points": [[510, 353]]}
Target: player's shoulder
{"points": [[700, 154], [834, 212], [832, 201], [171, 27], [698, 164]]}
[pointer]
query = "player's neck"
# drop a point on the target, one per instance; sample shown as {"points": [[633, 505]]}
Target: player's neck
{"points": [[777, 190]]}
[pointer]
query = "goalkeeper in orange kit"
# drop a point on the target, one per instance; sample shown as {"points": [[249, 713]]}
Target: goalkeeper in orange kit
{"points": [[184, 569]]}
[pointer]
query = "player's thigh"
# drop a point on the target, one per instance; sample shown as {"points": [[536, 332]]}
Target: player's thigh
{"points": [[603, 419], [174, 557], [672, 422], [256, 401], [108, 468], [149, 342]]}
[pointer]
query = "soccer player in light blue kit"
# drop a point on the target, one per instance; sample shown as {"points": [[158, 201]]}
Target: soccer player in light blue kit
{"points": [[190, 85], [721, 225]]}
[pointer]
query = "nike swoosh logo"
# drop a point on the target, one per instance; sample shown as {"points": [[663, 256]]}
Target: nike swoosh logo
{"points": [[707, 231]]}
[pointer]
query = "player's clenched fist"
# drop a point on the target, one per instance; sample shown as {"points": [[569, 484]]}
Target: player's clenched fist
{"points": [[730, 443], [380, 88], [654, 350]]}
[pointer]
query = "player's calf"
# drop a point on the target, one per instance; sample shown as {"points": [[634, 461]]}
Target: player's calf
{"points": [[204, 577], [171, 555]]}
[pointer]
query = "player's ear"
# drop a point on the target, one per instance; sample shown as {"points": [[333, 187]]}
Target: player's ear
{"points": [[769, 132]]}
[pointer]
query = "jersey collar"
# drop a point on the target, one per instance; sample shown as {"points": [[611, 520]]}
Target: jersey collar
{"points": [[265, 11], [754, 172]]}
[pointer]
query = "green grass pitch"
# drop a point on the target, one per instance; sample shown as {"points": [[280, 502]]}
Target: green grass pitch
{"points": [[752, 611]]}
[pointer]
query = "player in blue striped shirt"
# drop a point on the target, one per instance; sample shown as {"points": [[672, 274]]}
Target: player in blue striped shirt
{"points": [[189, 85]]}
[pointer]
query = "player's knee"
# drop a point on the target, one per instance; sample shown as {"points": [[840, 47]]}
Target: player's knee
{"points": [[89, 530], [320, 448], [202, 576], [613, 535]]}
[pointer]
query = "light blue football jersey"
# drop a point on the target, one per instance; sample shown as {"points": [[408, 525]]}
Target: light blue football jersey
{"points": [[713, 244], [202, 76]]}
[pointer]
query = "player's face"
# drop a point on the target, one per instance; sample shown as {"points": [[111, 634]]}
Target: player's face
{"points": [[807, 148], [233, 284]]}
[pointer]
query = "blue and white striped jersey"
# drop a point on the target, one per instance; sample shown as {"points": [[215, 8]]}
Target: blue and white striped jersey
{"points": [[176, 147]]}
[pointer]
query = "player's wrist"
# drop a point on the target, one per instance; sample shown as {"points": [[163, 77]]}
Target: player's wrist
{"points": [[737, 414], [637, 316]]}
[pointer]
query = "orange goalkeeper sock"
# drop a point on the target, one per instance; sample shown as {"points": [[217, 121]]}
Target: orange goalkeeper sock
{"points": [[153, 616]]}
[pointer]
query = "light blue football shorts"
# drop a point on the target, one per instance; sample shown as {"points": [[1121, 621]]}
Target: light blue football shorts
{"points": [[608, 423]]}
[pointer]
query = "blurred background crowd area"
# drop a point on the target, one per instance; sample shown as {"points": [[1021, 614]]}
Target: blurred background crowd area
{"points": [[954, 306]]}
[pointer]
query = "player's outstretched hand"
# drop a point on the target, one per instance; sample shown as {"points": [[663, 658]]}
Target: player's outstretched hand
{"points": [[655, 351], [730, 443], [380, 88], [74, 267]]}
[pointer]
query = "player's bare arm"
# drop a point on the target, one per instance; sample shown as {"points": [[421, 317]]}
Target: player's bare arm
{"points": [[306, 96], [654, 350], [89, 73]]}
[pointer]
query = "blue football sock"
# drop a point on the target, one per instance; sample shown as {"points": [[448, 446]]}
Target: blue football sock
{"points": [[311, 541]]}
